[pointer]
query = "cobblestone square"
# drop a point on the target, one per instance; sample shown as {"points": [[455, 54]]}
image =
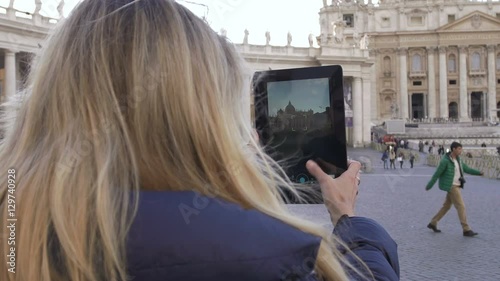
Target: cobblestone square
{"points": [[397, 199]]}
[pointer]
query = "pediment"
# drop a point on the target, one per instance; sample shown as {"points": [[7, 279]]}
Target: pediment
{"points": [[475, 21], [416, 12]]}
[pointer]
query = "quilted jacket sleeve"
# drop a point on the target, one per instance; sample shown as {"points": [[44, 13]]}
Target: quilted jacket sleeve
{"points": [[469, 170], [440, 170], [371, 243]]}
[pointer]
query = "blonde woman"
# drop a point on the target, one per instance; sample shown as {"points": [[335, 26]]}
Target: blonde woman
{"points": [[131, 157]]}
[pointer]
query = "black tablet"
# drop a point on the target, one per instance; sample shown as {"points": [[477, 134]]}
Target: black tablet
{"points": [[299, 115]]}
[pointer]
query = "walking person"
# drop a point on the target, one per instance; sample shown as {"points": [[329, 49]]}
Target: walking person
{"points": [[385, 158], [451, 179], [392, 158], [420, 146], [401, 160], [412, 159], [162, 102]]}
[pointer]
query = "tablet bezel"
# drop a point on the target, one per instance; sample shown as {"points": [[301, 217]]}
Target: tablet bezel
{"points": [[334, 73]]}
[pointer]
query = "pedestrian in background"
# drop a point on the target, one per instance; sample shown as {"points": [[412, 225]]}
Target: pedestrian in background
{"points": [[161, 102], [412, 159], [392, 158], [450, 174], [385, 158], [401, 160]]}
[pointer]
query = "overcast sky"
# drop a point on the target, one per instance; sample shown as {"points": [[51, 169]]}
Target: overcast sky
{"points": [[300, 17], [303, 95]]}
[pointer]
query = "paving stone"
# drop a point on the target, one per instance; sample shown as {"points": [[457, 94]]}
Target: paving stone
{"points": [[397, 199]]}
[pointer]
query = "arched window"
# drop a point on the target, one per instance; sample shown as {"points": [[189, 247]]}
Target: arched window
{"points": [[498, 62], [416, 64], [452, 63], [453, 110], [476, 61], [387, 64], [498, 107]]}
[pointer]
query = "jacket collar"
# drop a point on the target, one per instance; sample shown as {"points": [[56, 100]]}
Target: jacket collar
{"points": [[451, 159]]}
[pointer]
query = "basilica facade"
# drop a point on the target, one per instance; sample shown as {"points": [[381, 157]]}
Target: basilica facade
{"points": [[415, 60]]}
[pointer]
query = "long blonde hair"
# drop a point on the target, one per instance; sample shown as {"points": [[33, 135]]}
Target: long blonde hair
{"points": [[129, 95]]}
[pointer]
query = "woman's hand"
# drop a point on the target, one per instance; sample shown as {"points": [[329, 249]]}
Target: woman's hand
{"points": [[339, 194]]}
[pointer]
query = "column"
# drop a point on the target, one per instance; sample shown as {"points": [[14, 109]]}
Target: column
{"points": [[430, 105], [357, 112], [443, 83], [410, 105], [10, 74], [492, 90], [403, 87], [373, 87], [367, 115], [426, 106], [464, 111]]}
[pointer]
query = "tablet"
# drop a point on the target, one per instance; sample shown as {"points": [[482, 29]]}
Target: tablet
{"points": [[299, 115]]}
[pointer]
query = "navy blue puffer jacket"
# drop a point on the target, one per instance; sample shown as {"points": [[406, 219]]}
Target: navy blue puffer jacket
{"points": [[186, 236]]}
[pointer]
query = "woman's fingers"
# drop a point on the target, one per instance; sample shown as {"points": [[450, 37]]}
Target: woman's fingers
{"points": [[340, 193], [317, 172]]}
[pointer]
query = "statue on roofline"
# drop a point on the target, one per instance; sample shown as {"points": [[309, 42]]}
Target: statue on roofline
{"points": [[245, 39]]}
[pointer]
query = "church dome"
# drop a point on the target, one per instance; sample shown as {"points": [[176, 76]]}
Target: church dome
{"points": [[289, 109]]}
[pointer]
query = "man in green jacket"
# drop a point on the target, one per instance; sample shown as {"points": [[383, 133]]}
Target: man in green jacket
{"points": [[450, 174]]}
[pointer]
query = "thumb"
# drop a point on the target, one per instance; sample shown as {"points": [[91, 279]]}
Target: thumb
{"points": [[317, 172]]}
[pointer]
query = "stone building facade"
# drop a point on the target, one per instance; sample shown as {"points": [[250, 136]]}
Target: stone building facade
{"points": [[416, 60], [433, 58], [425, 60]]}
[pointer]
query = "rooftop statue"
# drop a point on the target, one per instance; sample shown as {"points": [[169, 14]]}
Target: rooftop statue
{"points": [[39, 5], [245, 39], [223, 32], [311, 39], [60, 8]]}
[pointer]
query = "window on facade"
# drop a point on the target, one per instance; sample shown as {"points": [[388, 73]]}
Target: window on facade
{"points": [[453, 82], [417, 83], [451, 18], [498, 62], [452, 63], [476, 61], [416, 20], [349, 20], [416, 64]]}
